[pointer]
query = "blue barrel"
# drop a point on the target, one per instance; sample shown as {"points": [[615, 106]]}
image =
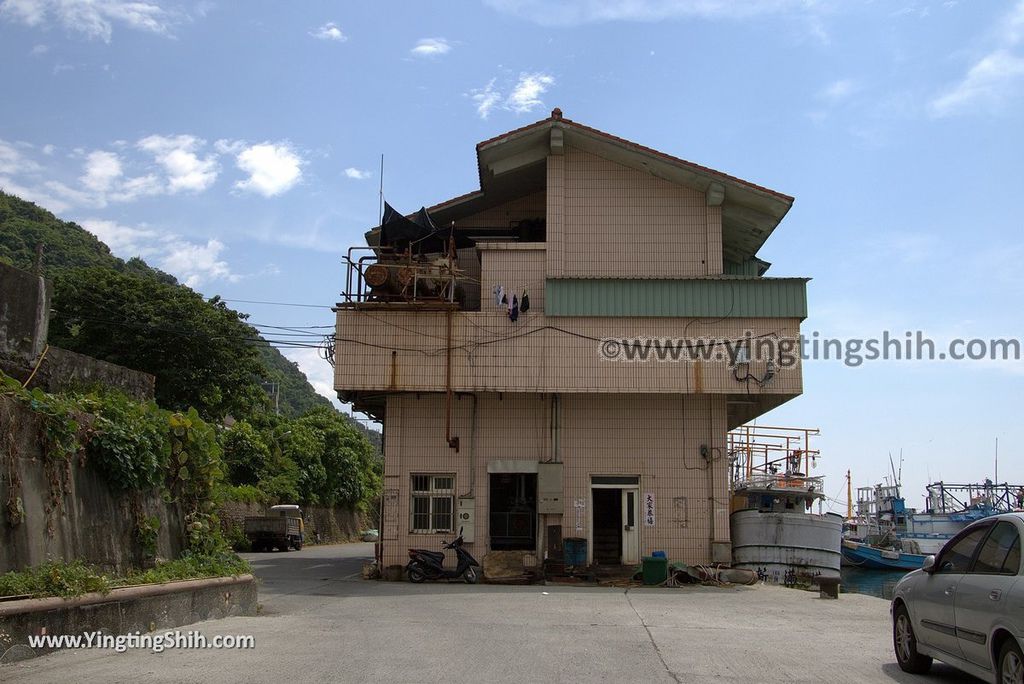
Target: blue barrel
{"points": [[659, 554], [575, 551]]}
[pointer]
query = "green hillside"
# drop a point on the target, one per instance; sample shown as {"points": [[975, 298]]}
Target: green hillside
{"points": [[69, 249]]}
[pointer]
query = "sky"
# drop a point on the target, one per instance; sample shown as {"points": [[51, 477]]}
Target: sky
{"points": [[238, 147]]}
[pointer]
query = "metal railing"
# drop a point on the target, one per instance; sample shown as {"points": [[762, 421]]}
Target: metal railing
{"points": [[406, 280]]}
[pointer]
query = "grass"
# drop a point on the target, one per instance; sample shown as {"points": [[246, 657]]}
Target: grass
{"points": [[67, 580]]}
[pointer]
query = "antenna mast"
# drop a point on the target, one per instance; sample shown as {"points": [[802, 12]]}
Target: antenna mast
{"points": [[381, 221]]}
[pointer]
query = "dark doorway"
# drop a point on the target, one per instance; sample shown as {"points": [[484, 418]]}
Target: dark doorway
{"points": [[513, 511], [607, 526]]}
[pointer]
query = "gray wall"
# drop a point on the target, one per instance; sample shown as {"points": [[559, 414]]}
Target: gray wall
{"points": [[333, 524], [89, 522], [24, 312]]}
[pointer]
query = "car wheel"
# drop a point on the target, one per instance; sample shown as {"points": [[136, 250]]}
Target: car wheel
{"points": [[416, 575], [471, 576], [1011, 664], [905, 644]]}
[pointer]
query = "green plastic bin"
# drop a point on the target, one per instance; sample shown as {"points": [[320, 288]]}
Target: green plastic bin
{"points": [[655, 570]]}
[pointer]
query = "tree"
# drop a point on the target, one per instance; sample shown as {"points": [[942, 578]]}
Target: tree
{"points": [[201, 352], [245, 454], [351, 463], [68, 246]]}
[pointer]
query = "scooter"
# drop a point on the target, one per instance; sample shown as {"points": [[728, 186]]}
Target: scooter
{"points": [[424, 564]]}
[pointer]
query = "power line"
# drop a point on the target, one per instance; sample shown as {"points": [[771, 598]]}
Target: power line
{"points": [[253, 301]]}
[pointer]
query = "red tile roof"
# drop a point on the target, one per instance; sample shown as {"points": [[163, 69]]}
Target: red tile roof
{"points": [[556, 115]]}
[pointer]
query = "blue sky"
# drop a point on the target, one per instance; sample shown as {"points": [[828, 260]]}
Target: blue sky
{"points": [[237, 146]]}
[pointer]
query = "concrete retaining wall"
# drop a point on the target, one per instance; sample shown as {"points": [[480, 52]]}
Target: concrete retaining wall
{"points": [[333, 524], [88, 522], [24, 312], [147, 608]]}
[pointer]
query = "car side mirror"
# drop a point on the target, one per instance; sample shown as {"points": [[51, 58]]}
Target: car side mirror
{"points": [[929, 564]]}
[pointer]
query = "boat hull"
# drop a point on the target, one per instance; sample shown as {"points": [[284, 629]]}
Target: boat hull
{"points": [[858, 554], [776, 543]]}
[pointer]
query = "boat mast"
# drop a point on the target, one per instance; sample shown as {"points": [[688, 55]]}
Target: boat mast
{"points": [[849, 497]]}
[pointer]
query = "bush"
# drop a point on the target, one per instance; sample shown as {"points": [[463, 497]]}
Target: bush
{"points": [[67, 580], [244, 494], [56, 578]]}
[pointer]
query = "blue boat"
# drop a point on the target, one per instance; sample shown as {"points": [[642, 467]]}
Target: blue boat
{"points": [[863, 555]]}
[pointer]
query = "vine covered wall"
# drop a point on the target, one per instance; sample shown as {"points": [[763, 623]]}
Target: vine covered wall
{"points": [[63, 509]]}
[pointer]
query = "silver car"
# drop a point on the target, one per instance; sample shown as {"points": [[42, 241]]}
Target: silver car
{"points": [[965, 607]]}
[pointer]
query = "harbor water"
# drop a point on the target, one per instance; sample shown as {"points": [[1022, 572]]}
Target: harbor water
{"points": [[880, 583]]}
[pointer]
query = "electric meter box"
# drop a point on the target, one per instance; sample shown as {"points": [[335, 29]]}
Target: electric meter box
{"points": [[464, 518], [549, 488]]}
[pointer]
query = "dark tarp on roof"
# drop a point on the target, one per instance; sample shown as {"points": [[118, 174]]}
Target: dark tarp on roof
{"points": [[420, 232]]}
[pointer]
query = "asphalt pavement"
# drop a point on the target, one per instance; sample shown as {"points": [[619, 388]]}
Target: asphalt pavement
{"points": [[320, 622]]}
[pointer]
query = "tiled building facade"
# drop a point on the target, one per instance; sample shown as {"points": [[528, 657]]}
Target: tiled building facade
{"points": [[555, 434]]}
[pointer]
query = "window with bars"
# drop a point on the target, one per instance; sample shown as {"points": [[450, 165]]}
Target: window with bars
{"points": [[433, 503]]}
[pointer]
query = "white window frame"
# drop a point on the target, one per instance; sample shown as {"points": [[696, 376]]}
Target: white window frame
{"points": [[433, 493]]}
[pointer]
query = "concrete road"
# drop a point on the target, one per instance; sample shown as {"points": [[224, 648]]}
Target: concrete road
{"points": [[321, 623]]}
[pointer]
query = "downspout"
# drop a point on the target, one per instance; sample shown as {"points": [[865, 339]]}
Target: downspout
{"points": [[472, 448], [453, 442], [709, 459], [556, 454]]}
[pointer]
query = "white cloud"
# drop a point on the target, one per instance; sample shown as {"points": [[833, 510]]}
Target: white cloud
{"points": [[123, 241], [33, 194], [526, 94], [319, 373], [486, 99], [272, 168], [195, 264], [141, 186], [838, 90], [192, 263], [49, 149], [184, 168], [1013, 25], [329, 31], [357, 174], [102, 169], [13, 162], [986, 85], [992, 79], [571, 12], [94, 18], [225, 146], [431, 47]]}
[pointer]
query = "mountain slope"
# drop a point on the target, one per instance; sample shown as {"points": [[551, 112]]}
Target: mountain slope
{"points": [[23, 225]]}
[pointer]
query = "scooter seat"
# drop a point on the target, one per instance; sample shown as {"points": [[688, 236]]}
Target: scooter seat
{"points": [[430, 554]]}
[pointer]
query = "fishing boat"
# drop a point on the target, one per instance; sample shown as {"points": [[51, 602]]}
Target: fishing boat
{"points": [[862, 555], [885, 534], [775, 531]]}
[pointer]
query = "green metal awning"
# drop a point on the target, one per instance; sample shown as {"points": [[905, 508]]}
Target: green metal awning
{"points": [[713, 297]]}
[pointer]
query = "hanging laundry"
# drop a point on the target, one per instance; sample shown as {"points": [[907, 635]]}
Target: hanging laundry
{"points": [[513, 309], [498, 291], [524, 306]]}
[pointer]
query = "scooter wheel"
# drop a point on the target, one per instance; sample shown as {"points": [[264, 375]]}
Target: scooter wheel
{"points": [[471, 576], [416, 575]]}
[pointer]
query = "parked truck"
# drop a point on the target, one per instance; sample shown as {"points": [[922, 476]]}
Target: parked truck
{"points": [[282, 529]]}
